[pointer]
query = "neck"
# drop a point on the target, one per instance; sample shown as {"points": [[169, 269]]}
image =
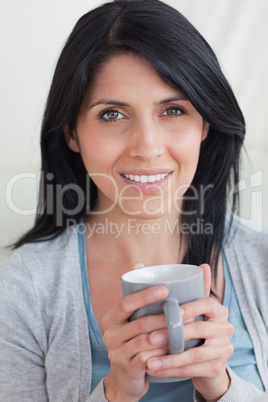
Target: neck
{"points": [[129, 240]]}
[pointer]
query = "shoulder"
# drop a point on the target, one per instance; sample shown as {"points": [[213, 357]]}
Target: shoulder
{"points": [[40, 286], [38, 264], [246, 249], [247, 236]]}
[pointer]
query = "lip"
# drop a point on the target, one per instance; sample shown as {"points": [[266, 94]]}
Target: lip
{"points": [[147, 188]]}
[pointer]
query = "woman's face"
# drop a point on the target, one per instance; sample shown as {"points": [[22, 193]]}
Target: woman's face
{"points": [[139, 139]]}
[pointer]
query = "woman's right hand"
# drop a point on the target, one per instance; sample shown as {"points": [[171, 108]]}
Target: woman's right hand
{"points": [[131, 344]]}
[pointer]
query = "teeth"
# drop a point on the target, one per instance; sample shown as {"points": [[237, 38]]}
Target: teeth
{"points": [[146, 179]]}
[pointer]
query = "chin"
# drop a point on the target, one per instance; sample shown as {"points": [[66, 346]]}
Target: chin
{"points": [[153, 209]]}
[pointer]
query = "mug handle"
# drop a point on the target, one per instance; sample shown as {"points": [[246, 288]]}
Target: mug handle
{"points": [[173, 316]]}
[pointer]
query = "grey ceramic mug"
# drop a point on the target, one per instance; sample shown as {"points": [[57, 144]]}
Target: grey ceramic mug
{"points": [[185, 284]]}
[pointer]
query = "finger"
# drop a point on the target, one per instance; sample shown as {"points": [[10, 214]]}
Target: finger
{"points": [[155, 337], [134, 354], [207, 370], [206, 306], [128, 304], [133, 366], [140, 359], [191, 358], [141, 344], [208, 330], [207, 278], [116, 335]]}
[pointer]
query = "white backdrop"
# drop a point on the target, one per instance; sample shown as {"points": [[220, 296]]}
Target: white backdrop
{"points": [[31, 37]]}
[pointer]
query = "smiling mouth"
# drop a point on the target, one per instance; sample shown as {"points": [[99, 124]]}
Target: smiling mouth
{"points": [[146, 178]]}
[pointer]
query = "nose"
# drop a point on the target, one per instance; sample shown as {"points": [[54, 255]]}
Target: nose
{"points": [[146, 141]]}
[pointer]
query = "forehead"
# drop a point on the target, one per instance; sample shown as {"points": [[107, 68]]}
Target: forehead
{"points": [[129, 72]]}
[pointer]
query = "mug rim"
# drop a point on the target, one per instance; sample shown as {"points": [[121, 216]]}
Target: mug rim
{"points": [[198, 271]]}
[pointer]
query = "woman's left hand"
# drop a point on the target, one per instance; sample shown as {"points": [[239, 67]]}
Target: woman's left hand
{"points": [[205, 364]]}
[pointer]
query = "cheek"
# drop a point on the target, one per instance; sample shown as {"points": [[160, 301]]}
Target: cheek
{"points": [[97, 153], [186, 147]]}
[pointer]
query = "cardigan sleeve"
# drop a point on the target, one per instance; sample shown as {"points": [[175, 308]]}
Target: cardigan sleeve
{"points": [[239, 390], [22, 370], [44, 345], [98, 395]]}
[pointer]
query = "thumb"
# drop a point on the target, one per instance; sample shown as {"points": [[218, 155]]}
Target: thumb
{"points": [[207, 278]]}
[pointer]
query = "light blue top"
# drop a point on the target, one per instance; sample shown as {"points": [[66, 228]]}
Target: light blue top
{"points": [[242, 361]]}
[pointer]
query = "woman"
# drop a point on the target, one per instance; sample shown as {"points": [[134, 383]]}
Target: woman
{"points": [[140, 143]]}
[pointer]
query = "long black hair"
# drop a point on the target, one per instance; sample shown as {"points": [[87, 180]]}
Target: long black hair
{"points": [[183, 60]]}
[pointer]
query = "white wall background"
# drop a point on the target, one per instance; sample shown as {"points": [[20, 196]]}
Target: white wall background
{"points": [[32, 34]]}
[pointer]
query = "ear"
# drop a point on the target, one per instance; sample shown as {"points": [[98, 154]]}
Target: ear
{"points": [[206, 127], [71, 138]]}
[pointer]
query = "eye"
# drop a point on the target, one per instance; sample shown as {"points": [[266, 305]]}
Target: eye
{"points": [[173, 111], [110, 115]]}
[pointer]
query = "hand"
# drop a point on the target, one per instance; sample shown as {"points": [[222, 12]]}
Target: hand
{"points": [[206, 364], [129, 347]]}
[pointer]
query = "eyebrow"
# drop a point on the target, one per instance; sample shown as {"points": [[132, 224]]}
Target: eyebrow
{"points": [[108, 102], [178, 97]]}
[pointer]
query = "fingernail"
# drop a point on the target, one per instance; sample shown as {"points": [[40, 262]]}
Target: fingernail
{"points": [[189, 320], [160, 291], [154, 364], [150, 371], [138, 265], [182, 311], [158, 338]]}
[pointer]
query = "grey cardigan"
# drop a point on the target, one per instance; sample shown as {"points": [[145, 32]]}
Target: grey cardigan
{"points": [[44, 344]]}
